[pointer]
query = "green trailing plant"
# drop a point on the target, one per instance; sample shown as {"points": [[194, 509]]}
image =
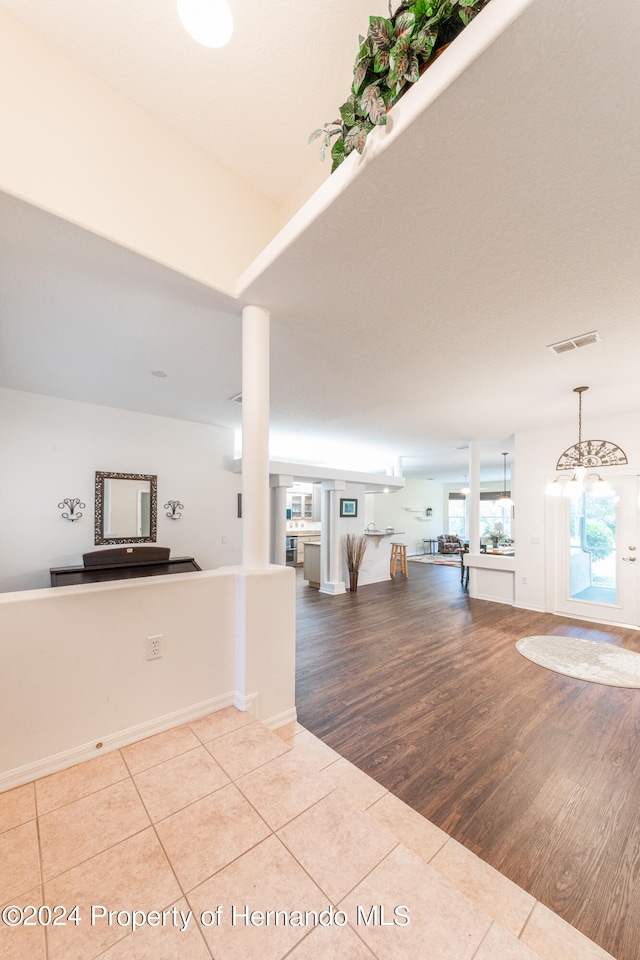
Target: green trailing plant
{"points": [[390, 59], [354, 548]]}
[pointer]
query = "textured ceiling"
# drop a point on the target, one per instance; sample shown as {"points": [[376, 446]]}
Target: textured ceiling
{"points": [[505, 216], [413, 313]]}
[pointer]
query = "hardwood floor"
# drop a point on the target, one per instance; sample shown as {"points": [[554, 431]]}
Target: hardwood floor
{"points": [[539, 774]]}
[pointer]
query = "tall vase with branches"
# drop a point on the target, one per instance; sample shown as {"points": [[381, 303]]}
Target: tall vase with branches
{"points": [[355, 546]]}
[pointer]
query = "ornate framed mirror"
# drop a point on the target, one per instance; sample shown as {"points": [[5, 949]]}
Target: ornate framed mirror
{"points": [[126, 507]]}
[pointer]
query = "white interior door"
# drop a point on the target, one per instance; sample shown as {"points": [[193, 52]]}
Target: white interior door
{"points": [[596, 554]]}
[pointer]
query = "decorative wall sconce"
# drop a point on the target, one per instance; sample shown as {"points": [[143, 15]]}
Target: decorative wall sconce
{"points": [[429, 511], [173, 506], [71, 504]]}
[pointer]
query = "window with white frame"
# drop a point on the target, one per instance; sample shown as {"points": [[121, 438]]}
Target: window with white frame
{"points": [[457, 513], [495, 520]]}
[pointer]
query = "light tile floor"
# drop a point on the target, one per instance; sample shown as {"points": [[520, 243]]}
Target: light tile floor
{"points": [[222, 839]]}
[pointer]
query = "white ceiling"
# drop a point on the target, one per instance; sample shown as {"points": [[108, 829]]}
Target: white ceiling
{"points": [[85, 319], [251, 104], [413, 314]]}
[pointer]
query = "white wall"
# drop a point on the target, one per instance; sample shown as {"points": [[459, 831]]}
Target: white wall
{"points": [[383, 510], [74, 671], [536, 454], [78, 148], [375, 566], [75, 674], [266, 643], [51, 449], [390, 510]]}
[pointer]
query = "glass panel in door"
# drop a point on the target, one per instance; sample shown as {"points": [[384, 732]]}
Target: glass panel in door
{"points": [[592, 548], [596, 556]]}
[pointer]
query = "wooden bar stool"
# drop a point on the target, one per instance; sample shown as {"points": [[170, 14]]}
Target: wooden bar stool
{"points": [[399, 556]]}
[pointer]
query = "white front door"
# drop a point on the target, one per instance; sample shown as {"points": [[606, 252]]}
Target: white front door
{"points": [[596, 554]]}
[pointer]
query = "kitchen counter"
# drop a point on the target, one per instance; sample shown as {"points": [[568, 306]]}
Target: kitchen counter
{"points": [[311, 572], [379, 534], [305, 539]]}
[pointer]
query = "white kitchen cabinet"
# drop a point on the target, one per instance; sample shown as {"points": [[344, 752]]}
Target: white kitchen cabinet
{"points": [[301, 505]]}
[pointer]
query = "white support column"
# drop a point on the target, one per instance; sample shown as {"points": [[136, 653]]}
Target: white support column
{"points": [[279, 486], [265, 651], [255, 438], [473, 501], [474, 497], [330, 547]]}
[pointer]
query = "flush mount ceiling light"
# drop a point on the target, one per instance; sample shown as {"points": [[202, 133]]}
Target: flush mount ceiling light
{"points": [[505, 500], [208, 22], [581, 456]]}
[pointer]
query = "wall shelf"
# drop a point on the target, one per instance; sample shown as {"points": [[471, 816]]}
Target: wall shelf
{"points": [[427, 511]]}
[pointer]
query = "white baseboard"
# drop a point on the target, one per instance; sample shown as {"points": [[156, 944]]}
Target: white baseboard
{"points": [[333, 589], [382, 579], [483, 596], [606, 623], [246, 704], [88, 751], [250, 703], [289, 716], [535, 608]]}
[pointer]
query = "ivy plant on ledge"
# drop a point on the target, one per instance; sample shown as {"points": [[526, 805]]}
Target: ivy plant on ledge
{"points": [[391, 58]]}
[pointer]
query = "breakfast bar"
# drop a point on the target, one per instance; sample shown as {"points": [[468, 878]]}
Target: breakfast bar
{"points": [[493, 575]]}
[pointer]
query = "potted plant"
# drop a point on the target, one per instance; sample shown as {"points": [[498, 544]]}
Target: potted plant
{"points": [[495, 536], [392, 57], [354, 548]]}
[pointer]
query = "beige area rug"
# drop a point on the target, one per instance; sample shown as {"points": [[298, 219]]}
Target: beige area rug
{"points": [[441, 559], [583, 659]]}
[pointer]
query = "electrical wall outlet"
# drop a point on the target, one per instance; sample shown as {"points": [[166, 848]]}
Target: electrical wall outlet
{"points": [[154, 648]]}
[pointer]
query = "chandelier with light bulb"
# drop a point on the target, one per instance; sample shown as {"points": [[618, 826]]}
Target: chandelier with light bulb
{"points": [[582, 456]]}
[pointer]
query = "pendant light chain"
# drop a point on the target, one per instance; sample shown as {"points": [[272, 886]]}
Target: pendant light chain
{"points": [[579, 392], [505, 500]]}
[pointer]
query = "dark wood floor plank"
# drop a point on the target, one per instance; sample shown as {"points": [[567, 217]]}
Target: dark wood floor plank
{"points": [[539, 774]]}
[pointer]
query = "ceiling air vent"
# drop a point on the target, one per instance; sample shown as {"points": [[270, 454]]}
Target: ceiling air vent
{"points": [[564, 346]]}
